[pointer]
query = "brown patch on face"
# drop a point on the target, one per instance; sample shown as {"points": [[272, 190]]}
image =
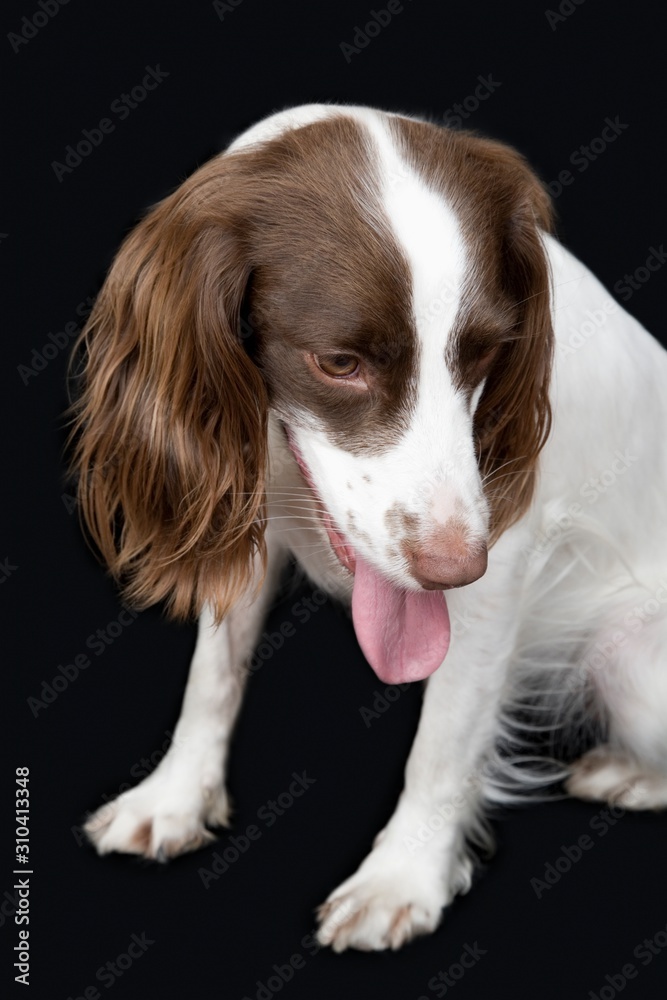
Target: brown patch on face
{"points": [[359, 532], [403, 525], [328, 277], [503, 331]]}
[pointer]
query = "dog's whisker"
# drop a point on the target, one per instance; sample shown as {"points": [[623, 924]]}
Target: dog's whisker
{"points": [[288, 517], [493, 472]]}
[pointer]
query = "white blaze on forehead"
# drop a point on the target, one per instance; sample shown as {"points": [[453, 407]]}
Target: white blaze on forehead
{"points": [[430, 236], [282, 121], [424, 226]]}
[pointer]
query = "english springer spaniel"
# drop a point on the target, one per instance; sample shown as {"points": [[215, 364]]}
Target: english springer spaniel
{"points": [[351, 338]]}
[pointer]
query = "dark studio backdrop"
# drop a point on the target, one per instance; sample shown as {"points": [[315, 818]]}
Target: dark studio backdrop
{"points": [[545, 918]]}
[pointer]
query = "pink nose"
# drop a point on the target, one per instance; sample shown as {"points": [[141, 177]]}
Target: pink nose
{"points": [[438, 567]]}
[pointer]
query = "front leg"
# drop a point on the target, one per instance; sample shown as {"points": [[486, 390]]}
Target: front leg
{"points": [[169, 812], [418, 862]]}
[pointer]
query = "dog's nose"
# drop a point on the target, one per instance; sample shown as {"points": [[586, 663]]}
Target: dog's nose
{"points": [[438, 567]]}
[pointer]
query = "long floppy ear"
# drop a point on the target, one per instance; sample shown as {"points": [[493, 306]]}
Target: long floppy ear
{"points": [[513, 417], [169, 437]]}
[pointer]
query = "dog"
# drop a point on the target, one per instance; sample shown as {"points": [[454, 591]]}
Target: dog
{"points": [[352, 338]]}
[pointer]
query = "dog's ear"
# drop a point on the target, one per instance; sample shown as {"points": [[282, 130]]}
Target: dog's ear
{"points": [[169, 435], [513, 417]]}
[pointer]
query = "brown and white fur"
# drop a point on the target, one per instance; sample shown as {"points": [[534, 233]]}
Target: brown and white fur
{"points": [[350, 338]]}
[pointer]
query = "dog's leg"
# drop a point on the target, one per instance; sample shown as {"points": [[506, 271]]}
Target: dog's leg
{"points": [[630, 679], [418, 862], [613, 774], [169, 812]]}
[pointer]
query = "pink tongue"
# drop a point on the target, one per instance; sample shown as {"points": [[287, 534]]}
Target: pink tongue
{"points": [[404, 635]]}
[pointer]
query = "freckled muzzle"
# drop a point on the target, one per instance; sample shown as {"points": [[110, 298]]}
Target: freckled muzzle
{"points": [[404, 634]]}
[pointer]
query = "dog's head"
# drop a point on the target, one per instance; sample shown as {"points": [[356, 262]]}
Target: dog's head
{"points": [[381, 285]]}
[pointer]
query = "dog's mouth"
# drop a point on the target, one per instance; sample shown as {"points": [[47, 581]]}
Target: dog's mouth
{"points": [[404, 634], [343, 550]]}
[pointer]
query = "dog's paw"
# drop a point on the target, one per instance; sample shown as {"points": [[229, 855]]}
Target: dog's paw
{"points": [[159, 819], [378, 913], [608, 775], [383, 905]]}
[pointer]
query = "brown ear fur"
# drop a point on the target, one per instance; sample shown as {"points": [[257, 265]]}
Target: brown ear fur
{"points": [[513, 417], [170, 425]]}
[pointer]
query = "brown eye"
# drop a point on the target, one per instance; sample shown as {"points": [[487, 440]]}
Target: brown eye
{"points": [[337, 365], [485, 361]]}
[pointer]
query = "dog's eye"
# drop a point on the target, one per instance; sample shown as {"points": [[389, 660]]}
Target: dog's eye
{"points": [[337, 365], [485, 360]]}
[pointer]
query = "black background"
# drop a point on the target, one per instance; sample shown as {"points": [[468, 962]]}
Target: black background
{"points": [[558, 84]]}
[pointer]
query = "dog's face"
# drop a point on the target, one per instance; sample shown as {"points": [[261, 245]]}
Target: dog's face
{"points": [[371, 364], [382, 303], [394, 279]]}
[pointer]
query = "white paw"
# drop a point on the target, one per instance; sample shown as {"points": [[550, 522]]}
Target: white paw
{"points": [[166, 815], [385, 904], [608, 775]]}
